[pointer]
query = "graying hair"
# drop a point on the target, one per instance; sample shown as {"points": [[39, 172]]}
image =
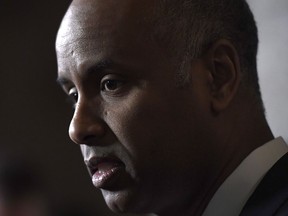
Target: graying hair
{"points": [[187, 28]]}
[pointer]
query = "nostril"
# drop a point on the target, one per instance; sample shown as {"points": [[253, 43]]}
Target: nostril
{"points": [[89, 134], [87, 140], [88, 137]]}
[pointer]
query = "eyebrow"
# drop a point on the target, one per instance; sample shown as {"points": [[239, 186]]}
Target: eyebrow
{"points": [[62, 81], [98, 68]]}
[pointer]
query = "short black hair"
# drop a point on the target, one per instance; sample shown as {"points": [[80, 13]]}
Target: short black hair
{"points": [[197, 24]]}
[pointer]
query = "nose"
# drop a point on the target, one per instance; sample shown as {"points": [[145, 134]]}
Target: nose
{"points": [[86, 126]]}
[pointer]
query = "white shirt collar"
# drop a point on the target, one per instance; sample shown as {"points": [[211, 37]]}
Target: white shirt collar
{"points": [[232, 195]]}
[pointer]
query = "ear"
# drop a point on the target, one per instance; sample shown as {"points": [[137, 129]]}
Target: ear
{"points": [[224, 77]]}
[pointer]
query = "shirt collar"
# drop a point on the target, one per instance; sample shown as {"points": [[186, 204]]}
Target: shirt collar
{"points": [[232, 195]]}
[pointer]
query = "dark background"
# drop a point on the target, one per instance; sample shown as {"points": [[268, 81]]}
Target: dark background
{"points": [[33, 113]]}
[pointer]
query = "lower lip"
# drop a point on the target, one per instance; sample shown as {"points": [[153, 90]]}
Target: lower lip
{"points": [[104, 179]]}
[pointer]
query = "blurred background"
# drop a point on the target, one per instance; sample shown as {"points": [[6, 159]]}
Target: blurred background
{"points": [[34, 115], [272, 21]]}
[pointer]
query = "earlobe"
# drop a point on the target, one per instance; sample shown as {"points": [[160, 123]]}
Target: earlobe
{"points": [[224, 77]]}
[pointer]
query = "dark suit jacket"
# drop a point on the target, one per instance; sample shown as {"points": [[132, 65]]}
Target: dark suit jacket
{"points": [[271, 196]]}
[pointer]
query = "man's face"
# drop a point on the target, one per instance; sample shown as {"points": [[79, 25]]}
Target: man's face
{"points": [[143, 138]]}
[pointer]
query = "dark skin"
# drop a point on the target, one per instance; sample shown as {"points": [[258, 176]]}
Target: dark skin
{"points": [[171, 147]]}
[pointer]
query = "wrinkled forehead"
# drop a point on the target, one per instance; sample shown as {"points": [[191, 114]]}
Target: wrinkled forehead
{"points": [[87, 19]]}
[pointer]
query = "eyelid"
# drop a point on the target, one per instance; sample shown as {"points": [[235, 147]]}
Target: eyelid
{"points": [[64, 83], [114, 77], [119, 80], [111, 77]]}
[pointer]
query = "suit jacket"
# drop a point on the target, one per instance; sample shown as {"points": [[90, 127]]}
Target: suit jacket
{"points": [[271, 196]]}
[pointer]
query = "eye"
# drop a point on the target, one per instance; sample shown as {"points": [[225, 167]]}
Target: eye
{"points": [[111, 85], [73, 95]]}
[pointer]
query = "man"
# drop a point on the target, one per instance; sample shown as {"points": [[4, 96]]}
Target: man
{"points": [[167, 107]]}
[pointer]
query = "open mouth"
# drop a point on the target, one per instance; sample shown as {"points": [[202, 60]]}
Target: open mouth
{"points": [[104, 171]]}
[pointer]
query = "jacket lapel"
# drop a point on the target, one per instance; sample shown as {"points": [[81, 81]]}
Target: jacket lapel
{"points": [[271, 195]]}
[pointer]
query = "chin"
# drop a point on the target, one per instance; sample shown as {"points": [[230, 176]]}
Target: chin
{"points": [[124, 202]]}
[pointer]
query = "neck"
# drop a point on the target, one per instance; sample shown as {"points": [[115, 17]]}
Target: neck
{"points": [[248, 131]]}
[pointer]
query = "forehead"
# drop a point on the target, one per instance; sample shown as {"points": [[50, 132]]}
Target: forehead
{"points": [[100, 30], [90, 19], [94, 29]]}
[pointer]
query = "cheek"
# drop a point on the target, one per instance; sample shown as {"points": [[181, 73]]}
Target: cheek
{"points": [[134, 123], [153, 130], [160, 140]]}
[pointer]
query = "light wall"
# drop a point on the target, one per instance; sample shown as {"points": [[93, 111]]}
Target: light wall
{"points": [[272, 21]]}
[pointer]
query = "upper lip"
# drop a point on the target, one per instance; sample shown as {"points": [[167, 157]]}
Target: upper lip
{"points": [[93, 162]]}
